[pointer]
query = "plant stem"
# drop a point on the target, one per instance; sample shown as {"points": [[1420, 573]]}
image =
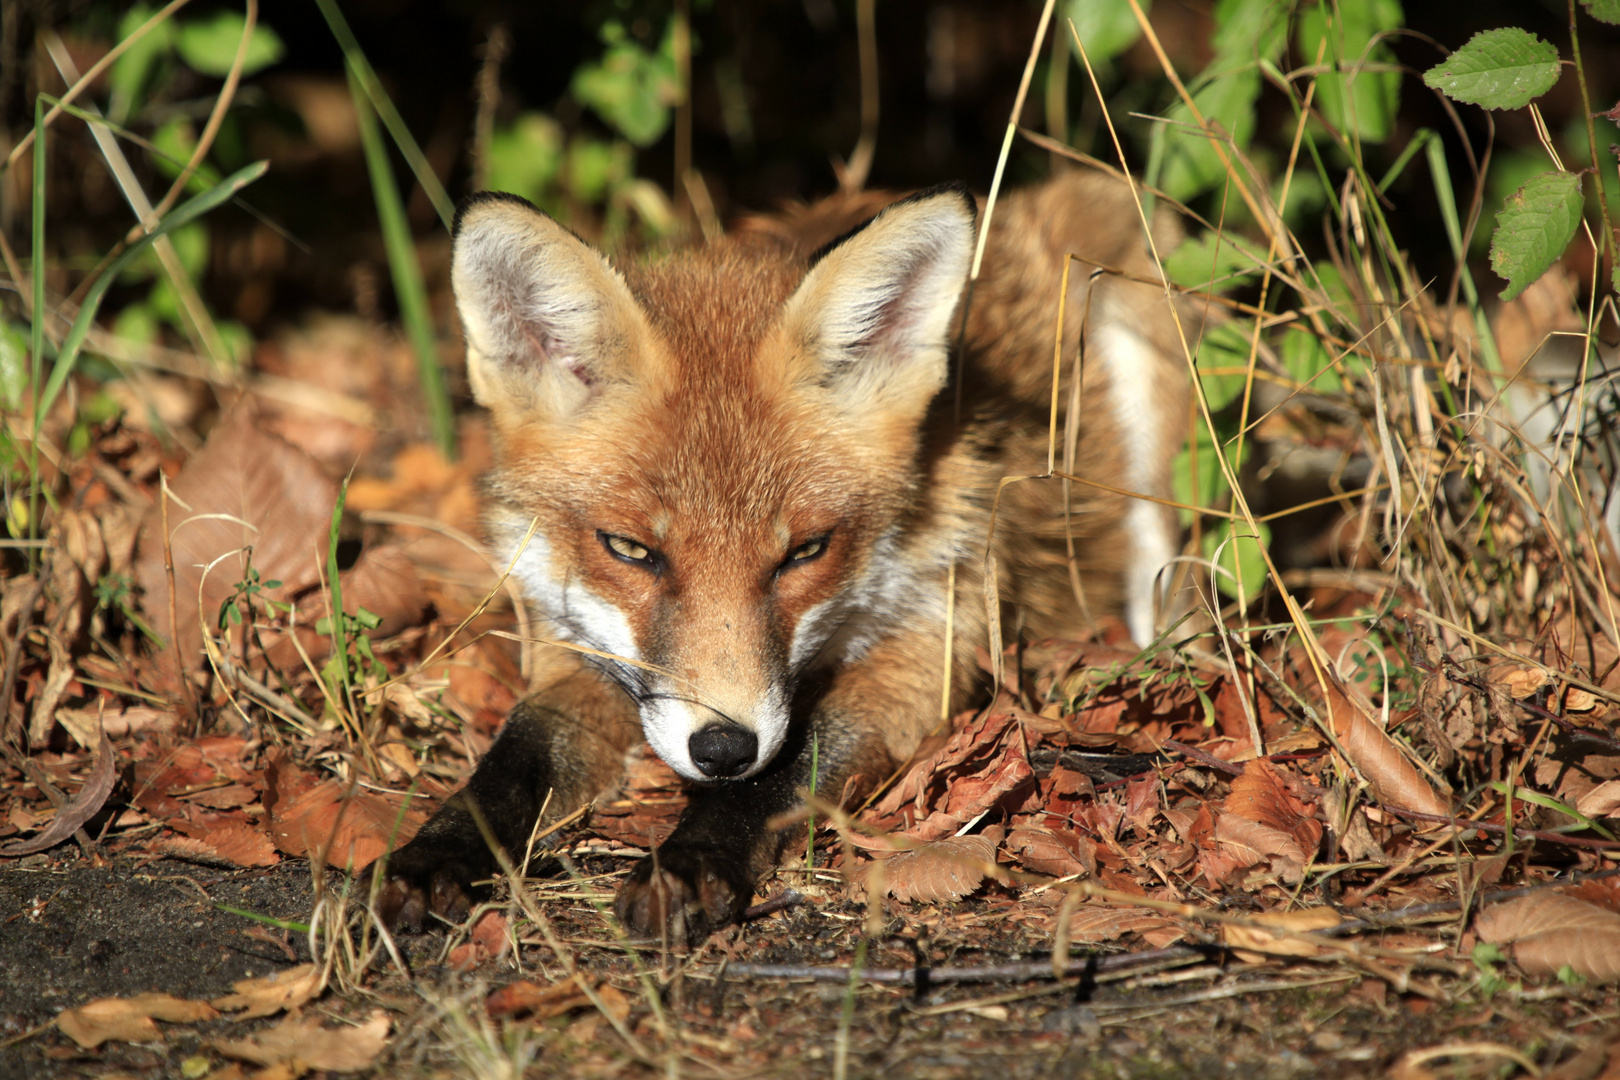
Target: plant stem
{"points": [[1607, 249]]}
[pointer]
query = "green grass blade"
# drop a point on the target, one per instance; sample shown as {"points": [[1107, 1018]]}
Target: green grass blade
{"points": [[36, 339], [1446, 196], [407, 274], [184, 214], [361, 69]]}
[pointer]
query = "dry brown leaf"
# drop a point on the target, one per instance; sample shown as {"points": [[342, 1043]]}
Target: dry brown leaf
{"points": [[350, 827], [1059, 852], [1549, 931], [524, 997], [302, 1040], [1094, 923], [1251, 843], [225, 842], [128, 1019], [283, 990], [490, 939], [940, 870], [1395, 780], [244, 488], [1517, 680], [1601, 801], [79, 809], [1277, 933]]}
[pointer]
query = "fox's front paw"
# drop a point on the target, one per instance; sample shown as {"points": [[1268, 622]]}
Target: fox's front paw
{"points": [[682, 895], [422, 882]]}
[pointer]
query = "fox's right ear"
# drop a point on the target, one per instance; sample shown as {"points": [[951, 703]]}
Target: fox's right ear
{"points": [[549, 322]]}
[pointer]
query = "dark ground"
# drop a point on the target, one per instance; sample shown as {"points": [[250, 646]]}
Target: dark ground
{"points": [[71, 932]]}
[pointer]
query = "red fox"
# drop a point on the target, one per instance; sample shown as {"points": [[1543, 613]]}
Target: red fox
{"points": [[738, 480]]}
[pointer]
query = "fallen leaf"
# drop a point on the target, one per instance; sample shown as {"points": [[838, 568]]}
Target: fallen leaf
{"points": [[1277, 933], [1549, 931], [1094, 923], [1517, 680], [526, 998], [490, 939], [1059, 852], [303, 1041], [79, 809], [128, 1019], [940, 870], [283, 990], [244, 489], [228, 842], [350, 827]]}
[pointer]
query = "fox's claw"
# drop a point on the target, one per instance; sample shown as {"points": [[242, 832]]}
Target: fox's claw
{"points": [[682, 895], [416, 888]]}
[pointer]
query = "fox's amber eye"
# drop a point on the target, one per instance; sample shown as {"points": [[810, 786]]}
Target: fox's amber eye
{"points": [[626, 549], [806, 551]]}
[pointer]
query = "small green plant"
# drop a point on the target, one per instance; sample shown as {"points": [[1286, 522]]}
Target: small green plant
{"points": [[632, 88], [116, 593], [1487, 958]]}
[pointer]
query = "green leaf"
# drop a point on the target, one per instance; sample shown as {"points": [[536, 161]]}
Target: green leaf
{"points": [[1191, 165], [1212, 260], [13, 364], [1535, 226], [1352, 97], [1223, 363], [1232, 541], [131, 70], [1603, 10], [1245, 31], [1106, 30], [525, 157], [209, 45], [1308, 363], [631, 88], [594, 166], [1506, 68]]}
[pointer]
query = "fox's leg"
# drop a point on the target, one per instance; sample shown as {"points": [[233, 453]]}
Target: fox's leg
{"points": [[568, 741], [871, 715]]}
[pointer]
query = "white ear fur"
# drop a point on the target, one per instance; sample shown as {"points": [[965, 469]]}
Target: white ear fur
{"points": [[548, 321], [875, 312]]}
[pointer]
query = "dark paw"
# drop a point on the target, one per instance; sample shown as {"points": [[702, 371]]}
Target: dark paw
{"points": [[417, 887], [682, 895]]}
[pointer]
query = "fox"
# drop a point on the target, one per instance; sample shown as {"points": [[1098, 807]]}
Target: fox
{"points": [[739, 482]]}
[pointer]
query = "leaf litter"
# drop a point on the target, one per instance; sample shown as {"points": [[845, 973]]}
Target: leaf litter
{"points": [[1174, 823]]}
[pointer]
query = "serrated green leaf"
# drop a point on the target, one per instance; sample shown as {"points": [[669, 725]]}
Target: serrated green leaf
{"points": [[1534, 227], [209, 45], [1603, 10], [1506, 68]]}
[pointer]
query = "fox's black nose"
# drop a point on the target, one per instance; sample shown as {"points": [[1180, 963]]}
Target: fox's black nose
{"points": [[723, 749]]}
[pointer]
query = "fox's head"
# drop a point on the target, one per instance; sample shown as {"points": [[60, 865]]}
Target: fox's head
{"points": [[719, 453]]}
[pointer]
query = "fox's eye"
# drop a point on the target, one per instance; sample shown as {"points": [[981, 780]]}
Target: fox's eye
{"points": [[806, 551], [627, 549]]}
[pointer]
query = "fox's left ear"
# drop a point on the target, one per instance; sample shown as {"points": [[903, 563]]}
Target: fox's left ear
{"points": [[874, 314]]}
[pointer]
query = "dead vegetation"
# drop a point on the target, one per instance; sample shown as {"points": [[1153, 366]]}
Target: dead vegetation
{"points": [[1353, 813]]}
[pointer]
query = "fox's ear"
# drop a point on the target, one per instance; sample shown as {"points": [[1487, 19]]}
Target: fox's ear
{"points": [[874, 314], [548, 321]]}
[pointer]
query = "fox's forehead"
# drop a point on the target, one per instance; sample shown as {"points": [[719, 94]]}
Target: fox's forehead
{"points": [[711, 308]]}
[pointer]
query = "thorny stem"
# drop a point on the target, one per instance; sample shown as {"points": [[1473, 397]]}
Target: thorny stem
{"points": [[1607, 252]]}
